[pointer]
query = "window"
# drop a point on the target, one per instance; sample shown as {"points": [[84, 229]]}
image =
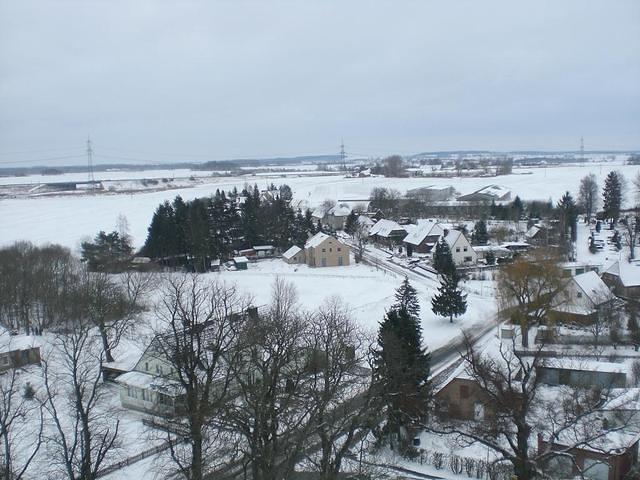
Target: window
{"points": [[595, 469], [146, 366], [324, 250], [579, 294], [457, 249], [468, 259], [339, 249], [464, 391], [331, 249], [465, 249], [4, 360], [146, 396]]}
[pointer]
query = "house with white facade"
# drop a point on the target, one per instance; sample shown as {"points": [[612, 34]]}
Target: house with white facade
{"points": [[583, 295], [461, 250]]}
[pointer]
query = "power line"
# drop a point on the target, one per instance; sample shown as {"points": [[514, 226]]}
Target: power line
{"points": [[35, 160]]}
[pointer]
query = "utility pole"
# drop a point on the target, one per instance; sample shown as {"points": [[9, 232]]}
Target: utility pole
{"points": [[90, 162], [343, 156]]}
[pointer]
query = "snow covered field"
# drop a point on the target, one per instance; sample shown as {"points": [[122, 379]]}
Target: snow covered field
{"points": [[66, 220]]}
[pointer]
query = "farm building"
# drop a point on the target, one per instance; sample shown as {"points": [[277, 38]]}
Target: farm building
{"points": [[423, 237], [241, 263], [488, 194], [388, 233], [323, 250]]}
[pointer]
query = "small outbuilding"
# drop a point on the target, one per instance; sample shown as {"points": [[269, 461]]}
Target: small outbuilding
{"points": [[241, 263], [294, 255]]}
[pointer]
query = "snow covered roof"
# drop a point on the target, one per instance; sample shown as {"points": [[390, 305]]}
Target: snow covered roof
{"points": [[496, 192], [12, 343], [292, 252], [629, 272], [264, 247], [585, 365], [593, 286], [340, 210], [383, 228], [366, 221], [422, 231], [240, 259], [533, 231], [452, 237], [150, 382], [316, 240]]}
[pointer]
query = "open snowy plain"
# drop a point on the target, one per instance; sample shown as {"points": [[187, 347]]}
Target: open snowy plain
{"points": [[68, 219]]}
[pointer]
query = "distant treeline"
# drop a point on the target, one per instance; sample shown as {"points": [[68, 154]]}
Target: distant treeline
{"points": [[213, 227]]}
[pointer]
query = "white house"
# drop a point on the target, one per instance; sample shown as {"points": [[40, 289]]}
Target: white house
{"points": [[461, 250], [582, 296], [294, 255]]}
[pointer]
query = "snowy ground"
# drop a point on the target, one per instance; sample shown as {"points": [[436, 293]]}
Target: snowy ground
{"points": [[66, 220]]}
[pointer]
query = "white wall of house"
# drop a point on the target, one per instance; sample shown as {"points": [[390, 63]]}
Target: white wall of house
{"points": [[462, 252]]}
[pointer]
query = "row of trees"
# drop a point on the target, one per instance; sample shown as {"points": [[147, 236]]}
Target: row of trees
{"points": [[213, 227]]}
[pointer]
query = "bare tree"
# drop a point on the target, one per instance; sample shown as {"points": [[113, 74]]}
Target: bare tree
{"points": [[588, 194], [103, 301], [86, 429], [20, 436], [529, 289], [344, 406], [273, 414], [200, 322], [138, 285], [360, 236]]}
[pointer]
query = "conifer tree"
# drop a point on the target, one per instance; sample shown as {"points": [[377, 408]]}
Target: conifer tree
{"points": [[401, 370], [442, 258], [449, 301], [351, 223], [612, 196], [407, 299], [480, 235]]}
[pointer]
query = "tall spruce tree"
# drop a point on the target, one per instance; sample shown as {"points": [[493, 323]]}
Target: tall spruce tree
{"points": [[407, 299], [612, 196], [401, 370], [449, 301], [442, 258]]}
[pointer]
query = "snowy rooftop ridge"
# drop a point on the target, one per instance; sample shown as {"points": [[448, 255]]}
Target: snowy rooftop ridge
{"points": [[384, 227], [316, 240], [423, 230], [293, 251], [629, 272], [593, 286]]}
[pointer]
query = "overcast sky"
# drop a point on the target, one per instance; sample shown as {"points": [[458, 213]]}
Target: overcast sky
{"points": [[192, 80]]}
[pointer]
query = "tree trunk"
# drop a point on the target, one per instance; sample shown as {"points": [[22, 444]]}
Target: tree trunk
{"points": [[105, 342]]}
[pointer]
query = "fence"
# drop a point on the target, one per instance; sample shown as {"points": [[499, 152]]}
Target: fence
{"points": [[131, 460], [472, 467]]}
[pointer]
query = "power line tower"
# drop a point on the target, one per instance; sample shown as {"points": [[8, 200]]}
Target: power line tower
{"points": [[343, 156], [582, 149], [90, 161]]}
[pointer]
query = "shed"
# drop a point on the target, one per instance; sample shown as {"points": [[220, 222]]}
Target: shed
{"points": [[241, 263]]}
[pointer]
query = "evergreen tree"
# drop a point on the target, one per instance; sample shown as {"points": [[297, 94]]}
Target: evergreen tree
{"points": [[351, 223], [108, 252], [568, 212], [517, 208], [442, 258], [449, 301], [407, 299], [612, 196], [401, 370], [480, 235]]}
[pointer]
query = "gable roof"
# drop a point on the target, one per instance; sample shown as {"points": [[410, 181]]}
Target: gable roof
{"points": [[383, 228], [629, 272], [340, 210], [293, 251], [316, 240], [453, 236], [593, 286], [422, 231]]}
